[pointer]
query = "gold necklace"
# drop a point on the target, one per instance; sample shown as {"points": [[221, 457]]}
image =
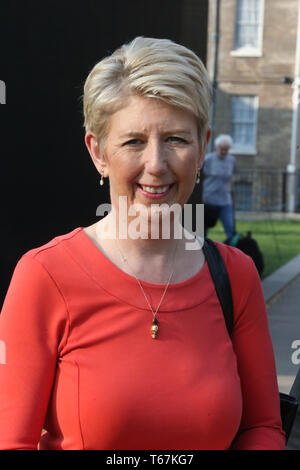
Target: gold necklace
{"points": [[154, 326]]}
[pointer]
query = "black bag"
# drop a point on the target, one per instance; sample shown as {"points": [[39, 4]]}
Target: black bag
{"points": [[249, 246], [218, 271]]}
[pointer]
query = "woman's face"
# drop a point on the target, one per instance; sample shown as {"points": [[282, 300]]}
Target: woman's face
{"points": [[152, 153]]}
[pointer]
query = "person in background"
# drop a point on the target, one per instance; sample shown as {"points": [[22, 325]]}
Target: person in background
{"points": [[218, 169]]}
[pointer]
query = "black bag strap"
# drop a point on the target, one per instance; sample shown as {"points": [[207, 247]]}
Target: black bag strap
{"points": [[221, 280], [219, 274]]}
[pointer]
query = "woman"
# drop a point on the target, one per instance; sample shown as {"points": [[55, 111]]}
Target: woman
{"points": [[218, 169], [115, 341]]}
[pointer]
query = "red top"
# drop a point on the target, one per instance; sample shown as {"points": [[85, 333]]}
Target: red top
{"points": [[77, 358]]}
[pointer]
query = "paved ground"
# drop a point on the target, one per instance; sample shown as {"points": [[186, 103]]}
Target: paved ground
{"points": [[282, 296], [284, 322]]}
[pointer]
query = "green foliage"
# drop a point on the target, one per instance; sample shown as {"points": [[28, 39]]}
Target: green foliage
{"points": [[279, 240]]}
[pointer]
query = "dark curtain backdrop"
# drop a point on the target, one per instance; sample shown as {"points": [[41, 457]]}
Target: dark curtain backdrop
{"points": [[49, 185]]}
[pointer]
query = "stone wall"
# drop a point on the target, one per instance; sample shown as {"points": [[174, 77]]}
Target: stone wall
{"points": [[262, 76]]}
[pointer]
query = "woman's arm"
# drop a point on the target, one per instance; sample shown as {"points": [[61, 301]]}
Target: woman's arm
{"points": [[32, 332], [261, 423]]}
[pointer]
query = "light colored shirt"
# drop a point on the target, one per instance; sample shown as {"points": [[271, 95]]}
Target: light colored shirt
{"points": [[217, 179]]}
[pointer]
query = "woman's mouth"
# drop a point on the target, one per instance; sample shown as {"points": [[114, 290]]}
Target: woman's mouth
{"points": [[155, 191]]}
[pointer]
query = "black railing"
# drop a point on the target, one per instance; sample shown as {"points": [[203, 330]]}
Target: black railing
{"points": [[266, 190]]}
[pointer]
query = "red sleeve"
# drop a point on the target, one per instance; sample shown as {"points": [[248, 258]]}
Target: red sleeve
{"points": [[33, 329], [261, 422]]}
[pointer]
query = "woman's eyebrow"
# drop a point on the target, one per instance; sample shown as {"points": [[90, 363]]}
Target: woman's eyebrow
{"points": [[178, 130], [131, 134], [138, 134]]}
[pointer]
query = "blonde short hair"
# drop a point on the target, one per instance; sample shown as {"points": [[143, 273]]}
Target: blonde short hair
{"points": [[154, 68]]}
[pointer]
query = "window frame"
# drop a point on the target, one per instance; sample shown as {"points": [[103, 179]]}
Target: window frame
{"points": [[250, 51], [238, 148]]}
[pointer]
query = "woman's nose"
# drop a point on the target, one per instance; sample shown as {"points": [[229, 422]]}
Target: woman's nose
{"points": [[155, 158]]}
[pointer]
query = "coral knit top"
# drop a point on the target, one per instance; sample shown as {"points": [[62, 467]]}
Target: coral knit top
{"points": [[78, 361]]}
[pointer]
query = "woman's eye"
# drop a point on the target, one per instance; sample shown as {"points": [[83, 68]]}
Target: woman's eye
{"points": [[174, 138], [133, 142]]}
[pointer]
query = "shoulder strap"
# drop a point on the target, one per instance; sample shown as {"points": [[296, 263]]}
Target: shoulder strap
{"points": [[219, 274], [221, 280]]}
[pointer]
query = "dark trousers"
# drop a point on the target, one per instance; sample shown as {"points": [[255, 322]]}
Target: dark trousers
{"points": [[226, 215]]}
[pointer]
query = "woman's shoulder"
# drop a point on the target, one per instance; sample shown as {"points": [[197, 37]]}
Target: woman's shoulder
{"points": [[240, 266], [48, 264], [53, 255], [50, 247], [244, 278]]}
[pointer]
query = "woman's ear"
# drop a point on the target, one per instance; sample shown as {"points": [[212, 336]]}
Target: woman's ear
{"points": [[204, 147], [207, 139], [95, 153]]}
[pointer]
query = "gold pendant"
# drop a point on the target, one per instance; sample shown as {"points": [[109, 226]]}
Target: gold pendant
{"points": [[154, 328]]}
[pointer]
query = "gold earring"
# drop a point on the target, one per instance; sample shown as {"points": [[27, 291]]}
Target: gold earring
{"points": [[198, 176], [102, 178]]}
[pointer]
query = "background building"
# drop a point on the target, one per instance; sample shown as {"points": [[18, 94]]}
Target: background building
{"points": [[49, 184], [252, 56]]}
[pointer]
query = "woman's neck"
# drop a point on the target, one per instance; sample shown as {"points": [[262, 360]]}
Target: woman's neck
{"points": [[148, 259]]}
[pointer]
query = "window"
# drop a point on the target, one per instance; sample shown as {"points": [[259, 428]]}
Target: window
{"points": [[248, 27], [244, 123]]}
